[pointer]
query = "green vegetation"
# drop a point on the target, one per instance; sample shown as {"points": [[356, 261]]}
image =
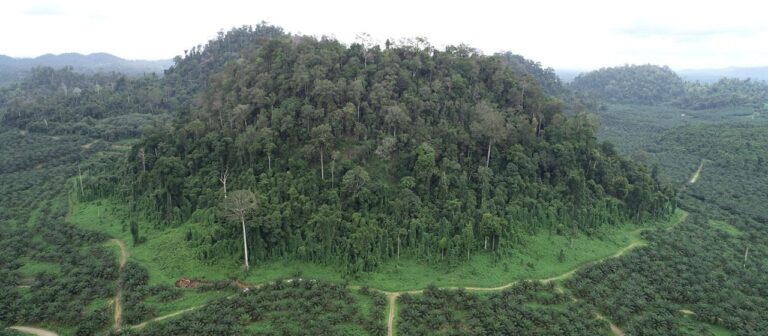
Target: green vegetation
{"points": [[632, 84], [361, 156], [286, 308], [529, 308], [704, 277], [654, 85], [356, 169], [725, 227]]}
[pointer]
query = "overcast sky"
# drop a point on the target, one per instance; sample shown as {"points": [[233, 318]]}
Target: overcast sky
{"points": [[576, 34]]}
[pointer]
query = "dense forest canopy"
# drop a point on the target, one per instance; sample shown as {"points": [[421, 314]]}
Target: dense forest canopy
{"points": [[62, 101], [546, 78], [265, 146], [358, 154]]}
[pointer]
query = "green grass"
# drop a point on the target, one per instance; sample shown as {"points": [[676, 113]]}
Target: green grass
{"points": [[166, 254], [98, 304], [541, 251], [364, 302], [727, 228], [168, 257], [191, 298], [31, 267], [718, 330]]}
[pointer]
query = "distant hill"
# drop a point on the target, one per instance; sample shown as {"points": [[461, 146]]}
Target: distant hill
{"points": [[634, 84], [13, 69], [714, 75], [567, 75]]}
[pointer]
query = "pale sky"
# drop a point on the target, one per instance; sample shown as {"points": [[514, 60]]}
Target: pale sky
{"points": [[575, 34]]}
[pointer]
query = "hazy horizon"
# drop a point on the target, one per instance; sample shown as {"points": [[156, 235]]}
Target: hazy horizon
{"points": [[562, 35]]}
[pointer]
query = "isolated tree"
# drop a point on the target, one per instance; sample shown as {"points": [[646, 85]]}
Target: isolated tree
{"points": [[490, 124], [356, 92], [223, 175], [236, 207], [266, 139], [321, 137]]}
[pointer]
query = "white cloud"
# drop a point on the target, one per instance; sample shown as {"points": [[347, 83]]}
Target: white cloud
{"points": [[571, 34]]}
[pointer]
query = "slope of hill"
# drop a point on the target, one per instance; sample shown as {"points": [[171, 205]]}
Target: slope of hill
{"points": [[358, 156]]}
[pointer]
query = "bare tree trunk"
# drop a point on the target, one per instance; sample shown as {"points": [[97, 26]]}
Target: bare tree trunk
{"points": [[223, 178], [269, 161], [142, 156], [538, 128], [322, 168], [245, 244], [488, 157], [486, 242], [358, 111], [80, 175], [398, 247], [746, 255]]}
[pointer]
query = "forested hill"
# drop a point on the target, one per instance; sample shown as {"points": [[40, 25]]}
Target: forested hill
{"points": [[13, 70], [637, 84], [655, 85], [361, 154]]}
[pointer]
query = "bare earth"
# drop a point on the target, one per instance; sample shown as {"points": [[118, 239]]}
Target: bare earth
{"points": [[118, 296], [34, 331]]}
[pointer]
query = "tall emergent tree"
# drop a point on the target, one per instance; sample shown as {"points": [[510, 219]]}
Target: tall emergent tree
{"points": [[490, 124], [236, 207]]}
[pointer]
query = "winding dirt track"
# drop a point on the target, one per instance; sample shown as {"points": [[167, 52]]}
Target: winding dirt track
{"points": [[143, 324], [392, 296], [118, 296], [34, 331]]}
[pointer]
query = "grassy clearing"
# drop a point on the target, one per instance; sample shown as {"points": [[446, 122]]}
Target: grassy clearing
{"points": [[536, 259], [31, 267], [166, 254], [718, 330], [168, 257], [727, 228]]}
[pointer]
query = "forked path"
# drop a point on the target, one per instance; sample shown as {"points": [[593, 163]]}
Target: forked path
{"points": [[117, 301], [119, 295], [394, 295]]}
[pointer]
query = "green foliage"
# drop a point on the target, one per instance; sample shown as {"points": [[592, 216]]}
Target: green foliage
{"points": [[654, 85], [65, 102], [284, 108], [286, 308], [688, 268], [727, 92], [633, 84], [547, 79], [529, 308]]}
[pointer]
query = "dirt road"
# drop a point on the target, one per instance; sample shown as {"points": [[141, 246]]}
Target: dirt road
{"points": [[34, 331], [119, 295]]}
